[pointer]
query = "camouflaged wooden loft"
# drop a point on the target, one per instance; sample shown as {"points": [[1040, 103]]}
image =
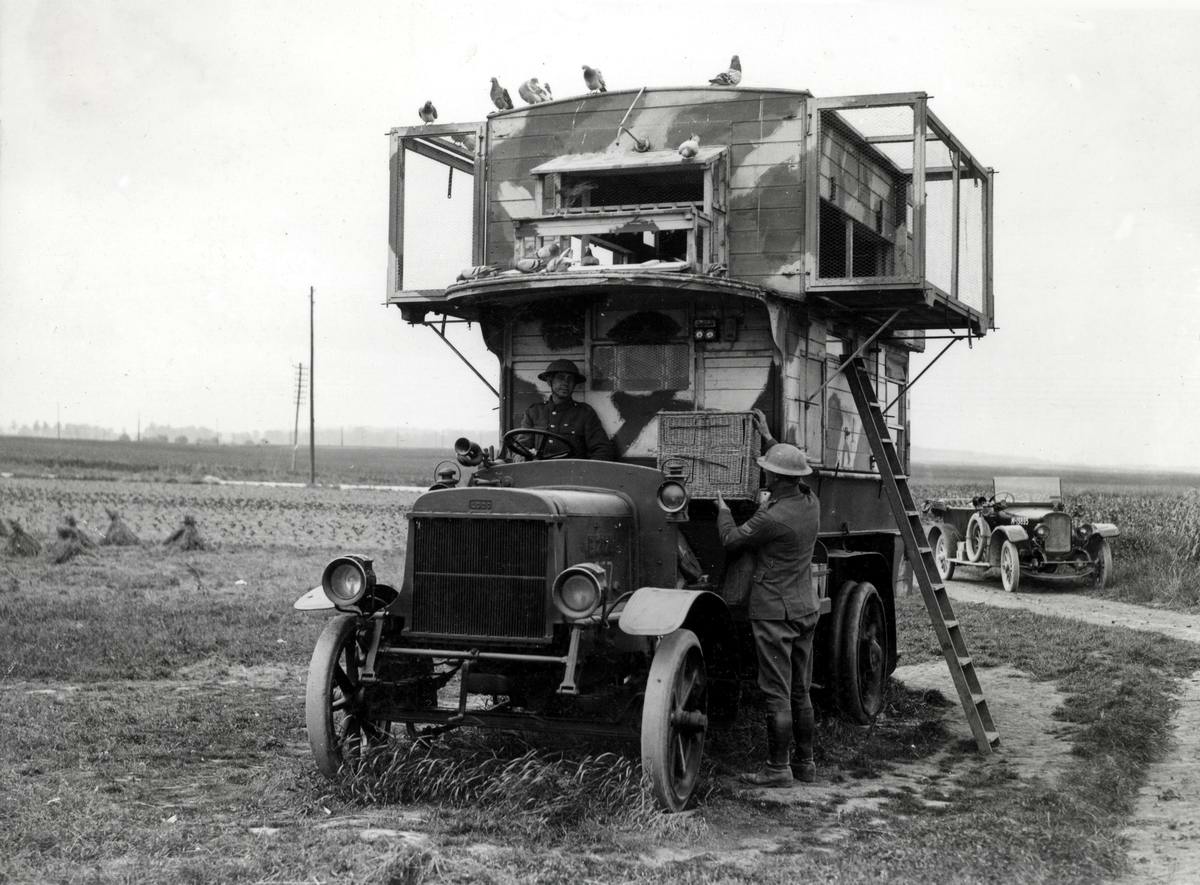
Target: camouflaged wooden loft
{"points": [[802, 231]]}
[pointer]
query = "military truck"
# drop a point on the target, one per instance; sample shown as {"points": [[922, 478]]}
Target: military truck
{"points": [[699, 253]]}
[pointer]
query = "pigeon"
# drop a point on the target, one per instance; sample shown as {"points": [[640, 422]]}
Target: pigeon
{"points": [[587, 258], [732, 77], [427, 112], [533, 92], [527, 265], [550, 250], [549, 94], [576, 192], [690, 148], [561, 264], [594, 80], [500, 97]]}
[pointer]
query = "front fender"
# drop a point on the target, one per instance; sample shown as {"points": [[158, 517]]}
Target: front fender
{"points": [[312, 601], [1105, 529], [657, 611], [1002, 533]]}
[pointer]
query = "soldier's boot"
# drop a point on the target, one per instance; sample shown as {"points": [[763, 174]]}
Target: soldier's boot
{"points": [[803, 729], [776, 772]]}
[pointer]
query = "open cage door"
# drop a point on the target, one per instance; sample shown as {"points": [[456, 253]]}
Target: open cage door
{"points": [[899, 215], [436, 191]]}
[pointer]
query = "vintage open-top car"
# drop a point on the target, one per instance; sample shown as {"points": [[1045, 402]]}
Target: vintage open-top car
{"points": [[1021, 528]]}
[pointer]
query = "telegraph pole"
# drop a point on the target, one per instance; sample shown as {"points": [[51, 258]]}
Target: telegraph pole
{"points": [[299, 400], [312, 409]]}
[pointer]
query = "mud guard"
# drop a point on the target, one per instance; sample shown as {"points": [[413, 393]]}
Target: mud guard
{"points": [[314, 600], [1105, 529], [657, 611], [1002, 533]]}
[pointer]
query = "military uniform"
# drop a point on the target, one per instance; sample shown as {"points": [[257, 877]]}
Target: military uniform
{"points": [[577, 421], [783, 605]]}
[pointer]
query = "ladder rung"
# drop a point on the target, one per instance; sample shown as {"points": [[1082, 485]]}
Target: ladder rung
{"points": [[964, 661], [977, 698], [951, 624], [993, 737], [913, 512], [926, 549]]}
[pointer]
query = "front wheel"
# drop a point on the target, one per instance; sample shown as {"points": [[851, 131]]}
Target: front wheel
{"points": [[1010, 566], [1102, 562], [675, 719], [860, 652], [340, 728]]}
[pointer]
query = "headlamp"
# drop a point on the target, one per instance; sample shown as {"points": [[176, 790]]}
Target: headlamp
{"points": [[578, 590], [347, 579]]}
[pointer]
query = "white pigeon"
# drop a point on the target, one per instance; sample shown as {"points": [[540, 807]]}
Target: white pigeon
{"points": [[690, 148], [731, 77]]}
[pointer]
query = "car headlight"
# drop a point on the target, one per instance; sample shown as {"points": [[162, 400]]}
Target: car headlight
{"points": [[1041, 530], [347, 579], [579, 589]]}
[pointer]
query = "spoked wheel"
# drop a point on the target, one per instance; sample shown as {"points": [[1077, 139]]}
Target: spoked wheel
{"points": [[860, 650], [1103, 562], [941, 556], [340, 728], [1010, 567], [977, 537], [675, 718]]}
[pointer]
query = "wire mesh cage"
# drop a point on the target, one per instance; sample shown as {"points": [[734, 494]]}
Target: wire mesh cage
{"points": [[719, 452]]}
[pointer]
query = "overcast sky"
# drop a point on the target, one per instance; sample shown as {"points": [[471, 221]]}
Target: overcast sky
{"points": [[175, 175]]}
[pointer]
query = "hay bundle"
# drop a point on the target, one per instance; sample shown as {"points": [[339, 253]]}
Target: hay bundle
{"points": [[118, 534], [20, 543], [80, 535], [70, 544], [187, 536]]}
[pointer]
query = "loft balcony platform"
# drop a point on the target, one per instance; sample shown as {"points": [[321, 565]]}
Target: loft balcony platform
{"points": [[925, 308]]}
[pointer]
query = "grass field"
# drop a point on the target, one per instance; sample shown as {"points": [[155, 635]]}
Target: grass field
{"points": [[151, 703]]}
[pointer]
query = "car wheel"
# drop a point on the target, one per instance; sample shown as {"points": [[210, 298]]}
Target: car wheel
{"points": [[675, 719], [1102, 560], [941, 555], [977, 538], [1010, 566], [860, 654], [340, 728]]}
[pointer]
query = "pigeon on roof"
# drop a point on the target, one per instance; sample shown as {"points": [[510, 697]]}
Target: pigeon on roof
{"points": [[690, 148], [594, 80], [500, 96], [427, 112], [731, 77], [549, 94], [533, 92]]}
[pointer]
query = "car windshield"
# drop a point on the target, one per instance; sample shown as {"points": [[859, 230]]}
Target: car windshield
{"points": [[1031, 489]]}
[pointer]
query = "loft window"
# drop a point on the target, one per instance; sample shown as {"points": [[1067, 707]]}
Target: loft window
{"points": [[653, 206]]}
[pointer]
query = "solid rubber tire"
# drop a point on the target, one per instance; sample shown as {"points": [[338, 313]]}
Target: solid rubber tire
{"points": [[863, 601], [671, 756]]}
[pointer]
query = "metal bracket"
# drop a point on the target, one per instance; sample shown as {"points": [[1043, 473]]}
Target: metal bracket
{"points": [[441, 333], [909, 385], [846, 362], [368, 670], [568, 685]]}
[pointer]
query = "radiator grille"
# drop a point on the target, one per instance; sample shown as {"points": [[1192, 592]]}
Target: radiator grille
{"points": [[1058, 532], [479, 577]]}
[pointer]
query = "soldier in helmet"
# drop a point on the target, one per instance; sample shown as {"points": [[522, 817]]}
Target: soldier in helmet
{"points": [[783, 607], [561, 414]]}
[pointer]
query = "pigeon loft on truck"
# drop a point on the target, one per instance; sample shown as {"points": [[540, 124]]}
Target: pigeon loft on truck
{"points": [[700, 254]]}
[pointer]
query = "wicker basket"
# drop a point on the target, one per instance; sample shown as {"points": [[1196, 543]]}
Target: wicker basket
{"points": [[719, 451]]}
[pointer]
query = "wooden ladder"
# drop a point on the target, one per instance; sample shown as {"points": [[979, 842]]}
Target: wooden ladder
{"points": [[920, 557]]}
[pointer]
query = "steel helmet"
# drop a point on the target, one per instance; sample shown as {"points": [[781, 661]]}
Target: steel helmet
{"points": [[563, 366], [786, 460]]}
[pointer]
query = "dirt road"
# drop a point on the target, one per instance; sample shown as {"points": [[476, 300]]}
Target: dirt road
{"points": [[1164, 835]]}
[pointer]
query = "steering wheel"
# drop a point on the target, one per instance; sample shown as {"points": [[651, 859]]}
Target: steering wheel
{"points": [[536, 451], [1004, 498]]}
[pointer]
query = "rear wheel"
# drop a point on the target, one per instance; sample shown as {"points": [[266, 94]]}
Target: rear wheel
{"points": [[340, 727], [977, 537], [860, 653], [675, 719], [1010, 566], [942, 554]]}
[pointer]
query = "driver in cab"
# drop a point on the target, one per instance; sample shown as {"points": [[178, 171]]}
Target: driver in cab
{"points": [[559, 414]]}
